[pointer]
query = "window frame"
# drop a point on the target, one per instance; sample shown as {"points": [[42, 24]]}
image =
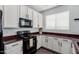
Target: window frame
{"points": [[55, 28]]}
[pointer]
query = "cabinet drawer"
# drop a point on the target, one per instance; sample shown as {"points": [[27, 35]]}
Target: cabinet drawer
{"points": [[14, 48], [15, 51], [13, 45]]}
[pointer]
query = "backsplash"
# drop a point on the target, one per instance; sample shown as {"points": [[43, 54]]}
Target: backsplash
{"points": [[9, 32]]}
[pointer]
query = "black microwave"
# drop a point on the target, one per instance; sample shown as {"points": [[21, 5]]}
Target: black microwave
{"points": [[25, 22]]}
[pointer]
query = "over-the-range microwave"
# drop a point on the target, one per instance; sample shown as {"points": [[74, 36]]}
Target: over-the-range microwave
{"points": [[25, 23]]}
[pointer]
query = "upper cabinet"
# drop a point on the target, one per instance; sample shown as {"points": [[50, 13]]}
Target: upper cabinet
{"points": [[12, 13], [40, 20], [35, 19], [26, 12], [11, 16], [30, 13], [23, 11]]}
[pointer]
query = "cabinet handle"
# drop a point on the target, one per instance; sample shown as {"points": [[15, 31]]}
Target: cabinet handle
{"points": [[61, 44], [71, 45], [47, 40], [14, 44]]}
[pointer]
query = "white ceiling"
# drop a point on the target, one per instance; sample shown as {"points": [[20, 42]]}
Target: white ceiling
{"points": [[42, 7]]}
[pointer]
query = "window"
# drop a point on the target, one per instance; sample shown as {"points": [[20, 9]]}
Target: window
{"points": [[58, 21], [50, 22]]}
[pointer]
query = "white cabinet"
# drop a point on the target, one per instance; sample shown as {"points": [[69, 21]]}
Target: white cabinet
{"points": [[56, 46], [39, 41], [11, 16], [35, 19], [30, 13], [50, 43], [45, 42], [60, 45], [14, 48], [40, 20], [23, 11], [26, 12], [66, 45]]}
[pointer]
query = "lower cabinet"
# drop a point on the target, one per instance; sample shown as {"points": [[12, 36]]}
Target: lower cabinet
{"points": [[65, 46], [60, 45], [14, 48], [39, 41], [50, 43], [56, 45], [45, 42]]}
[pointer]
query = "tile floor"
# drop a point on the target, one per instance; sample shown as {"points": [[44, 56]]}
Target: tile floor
{"points": [[43, 51]]}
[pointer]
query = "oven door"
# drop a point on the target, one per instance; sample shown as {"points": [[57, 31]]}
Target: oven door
{"points": [[29, 45]]}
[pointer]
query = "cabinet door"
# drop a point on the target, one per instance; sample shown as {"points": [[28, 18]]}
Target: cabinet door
{"points": [[14, 48], [23, 12], [30, 13], [40, 20], [35, 19], [39, 42], [66, 47], [11, 16], [45, 42], [56, 46], [50, 43]]}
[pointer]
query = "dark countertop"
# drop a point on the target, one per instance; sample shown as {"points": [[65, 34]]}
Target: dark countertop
{"points": [[74, 38], [10, 41]]}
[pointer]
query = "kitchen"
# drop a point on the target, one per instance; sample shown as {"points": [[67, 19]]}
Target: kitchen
{"points": [[39, 29]]}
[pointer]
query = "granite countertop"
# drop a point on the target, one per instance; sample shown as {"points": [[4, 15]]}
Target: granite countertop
{"points": [[10, 41], [59, 36], [73, 39]]}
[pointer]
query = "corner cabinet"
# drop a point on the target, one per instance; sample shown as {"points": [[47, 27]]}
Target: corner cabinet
{"points": [[37, 19], [10, 16]]}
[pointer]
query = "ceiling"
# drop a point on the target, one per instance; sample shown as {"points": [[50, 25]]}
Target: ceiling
{"points": [[42, 7]]}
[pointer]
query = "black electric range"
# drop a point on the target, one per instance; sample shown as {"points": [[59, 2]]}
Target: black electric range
{"points": [[29, 42]]}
